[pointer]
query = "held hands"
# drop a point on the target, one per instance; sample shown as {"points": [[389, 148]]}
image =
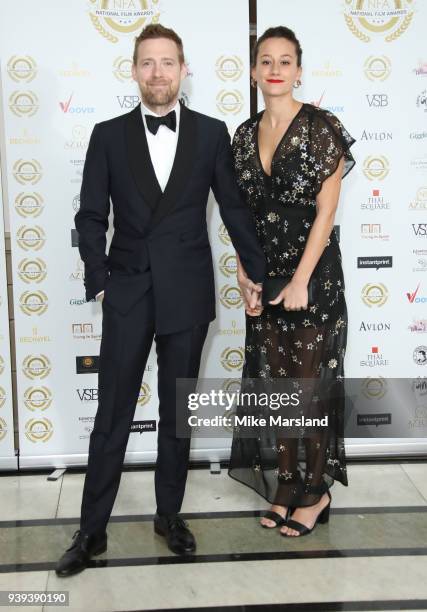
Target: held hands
{"points": [[294, 296], [251, 293]]}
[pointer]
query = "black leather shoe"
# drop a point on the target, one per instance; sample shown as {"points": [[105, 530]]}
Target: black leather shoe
{"points": [[77, 556], [179, 538]]}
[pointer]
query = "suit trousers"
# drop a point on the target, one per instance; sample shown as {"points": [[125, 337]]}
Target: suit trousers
{"points": [[125, 346]]}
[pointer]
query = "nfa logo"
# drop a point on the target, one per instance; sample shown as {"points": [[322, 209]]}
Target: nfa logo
{"points": [[420, 355], [27, 171], [29, 204], [387, 19], [114, 18], [2, 397], [376, 168], [230, 296], [420, 202], [228, 265], [374, 294], [36, 366], [232, 358], [374, 387], [33, 302], [413, 298], [229, 67], [422, 100], [377, 68], [144, 395], [229, 102], [38, 430], [1, 365], [23, 103], [3, 429], [32, 270], [223, 235], [122, 69], [37, 398], [22, 68], [30, 237]]}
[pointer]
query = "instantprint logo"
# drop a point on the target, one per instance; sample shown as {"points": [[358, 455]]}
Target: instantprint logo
{"points": [[87, 364], [414, 298], [36, 366], [327, 71], [420, 202], [122, 69], [31, 237], [377, 68], [387, 19], [1, 365], [230, 296], [34, 338], [375, 202], [232, 359], [418, 326], [229, 67], [23, 103], [116, 18], [422, 68], [372, 231], [374, 294], [37, 398], [374, 387], [78, 140], [75, 71], [29, 204], [375, 262], [22, 68], [27, 171], [422, 100], [3, 429], [376, 168], [2, 397], [32, 270], [142, 426], [223, 235], [33, 303], [228, 264], [38, 430], [229, 102], [420, 355], [374, 359], [144, 395]]}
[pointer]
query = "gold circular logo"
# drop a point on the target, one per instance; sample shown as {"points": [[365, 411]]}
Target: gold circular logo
{"points": [[377, 68], [376, 168], [29, 204], [230, 296], [3, 429], [229, 67], [2, 397], [374, 388], [374, 294], [232, 358], [144, 394], [1, 365], [23, 103], [21, 68], [36, 366], [229, 102], [228, 265], [33, 303], [122, 69], [114, 18], [32, 270], [387, 19], [38, 430], [27, 171], [37, 398], [30, 237], [223, 235], [232, 385]]}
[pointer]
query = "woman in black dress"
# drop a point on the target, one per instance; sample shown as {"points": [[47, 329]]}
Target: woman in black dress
{"points": [[289, 161]]}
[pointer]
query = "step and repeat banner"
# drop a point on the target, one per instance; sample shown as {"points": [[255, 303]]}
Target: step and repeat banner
{"points": [[69, 68], [8, 460], [366, 62]]}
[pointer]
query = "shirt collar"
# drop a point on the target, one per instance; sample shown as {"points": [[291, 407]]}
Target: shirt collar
{"points": [[147, 111]]}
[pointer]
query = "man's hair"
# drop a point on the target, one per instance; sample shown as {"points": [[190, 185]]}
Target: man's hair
{"points": [[156, 30], [278, 32]]}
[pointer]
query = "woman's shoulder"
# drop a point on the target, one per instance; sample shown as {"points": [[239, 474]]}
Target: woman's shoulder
{"points": [[247, 127], [322, 115]]}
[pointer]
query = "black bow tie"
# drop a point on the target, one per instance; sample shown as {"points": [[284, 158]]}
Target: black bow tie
{"points": [[153, 123]]}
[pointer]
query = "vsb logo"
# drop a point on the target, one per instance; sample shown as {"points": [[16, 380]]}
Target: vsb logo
{"points": [[232, 359], [37, 398], [31, 237], [377, 100], [36, 366], [144, 395], [229, 68], [228, 265], [32, 270], [38, 430], [376, 167], [122, 69], [27, 171], [23, 103], [230, 296], [22, 68], [88, 395], [223, 235], [420, 229], [229, 102], [374, 294], [29, 204], [33, 303], [128, 101], [377, 68]]}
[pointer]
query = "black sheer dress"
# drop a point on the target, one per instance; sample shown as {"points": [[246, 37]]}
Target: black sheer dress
{"points": [[308, 344]]}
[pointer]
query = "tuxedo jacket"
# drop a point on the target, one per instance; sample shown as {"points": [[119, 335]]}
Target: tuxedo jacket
{"points": [[160, 238]]}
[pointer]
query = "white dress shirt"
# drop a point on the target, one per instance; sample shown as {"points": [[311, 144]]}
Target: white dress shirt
{"points": [[162, 148]]}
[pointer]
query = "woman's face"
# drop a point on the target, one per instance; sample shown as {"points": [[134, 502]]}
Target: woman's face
{"points": [[276, 67]]}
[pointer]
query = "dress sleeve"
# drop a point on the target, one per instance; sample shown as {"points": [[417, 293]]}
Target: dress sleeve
{"points": [[329, 142]]}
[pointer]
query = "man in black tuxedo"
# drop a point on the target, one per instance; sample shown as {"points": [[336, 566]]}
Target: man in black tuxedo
{"points": [[157, 164]]}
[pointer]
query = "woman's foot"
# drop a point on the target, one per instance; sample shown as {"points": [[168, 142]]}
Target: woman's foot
{"points": [[307, 516], [274, 521]]}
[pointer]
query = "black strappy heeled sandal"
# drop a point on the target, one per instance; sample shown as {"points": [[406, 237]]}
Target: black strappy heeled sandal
{"points": [[277, 518], [302, 529]]}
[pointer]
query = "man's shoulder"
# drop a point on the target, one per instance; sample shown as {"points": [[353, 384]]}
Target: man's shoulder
{"points": [[207, 120], [113, 122]]}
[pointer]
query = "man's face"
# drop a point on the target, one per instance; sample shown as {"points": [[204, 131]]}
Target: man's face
{"points": [[158, 71]]}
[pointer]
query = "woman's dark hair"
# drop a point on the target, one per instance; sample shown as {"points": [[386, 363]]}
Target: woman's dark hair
{"points": [[278, 32]]}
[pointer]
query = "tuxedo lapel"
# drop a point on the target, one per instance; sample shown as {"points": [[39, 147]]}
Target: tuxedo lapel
{"points": [[140, 160], [182, 165]]}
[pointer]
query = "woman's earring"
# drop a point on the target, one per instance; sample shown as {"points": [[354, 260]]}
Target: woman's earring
{"points": [[297, 84], [253, 82]]}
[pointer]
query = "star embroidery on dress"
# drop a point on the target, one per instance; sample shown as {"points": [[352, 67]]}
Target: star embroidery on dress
{"points": [[301, 238], [332, 363], [263, 350], [257, 468], [258, 327], [313, 308], [304, 155], [324, 316], [306, 322], [282, 448], [293, 251], [298, 344], [282, 372], [310, 346], [292, 326], [286, 475], [319, 337], [295, 140], [327, 285]]}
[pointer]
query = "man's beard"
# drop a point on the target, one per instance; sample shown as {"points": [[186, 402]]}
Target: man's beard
{"points": [[157, 97]]}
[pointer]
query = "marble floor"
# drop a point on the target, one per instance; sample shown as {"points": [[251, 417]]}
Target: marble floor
{"points": [[371, 556]]}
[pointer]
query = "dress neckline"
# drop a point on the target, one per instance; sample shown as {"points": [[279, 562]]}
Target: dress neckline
{"points": [[279, 144]]}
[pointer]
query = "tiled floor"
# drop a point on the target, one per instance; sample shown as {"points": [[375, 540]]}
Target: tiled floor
{"points": [[373, 551]]}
